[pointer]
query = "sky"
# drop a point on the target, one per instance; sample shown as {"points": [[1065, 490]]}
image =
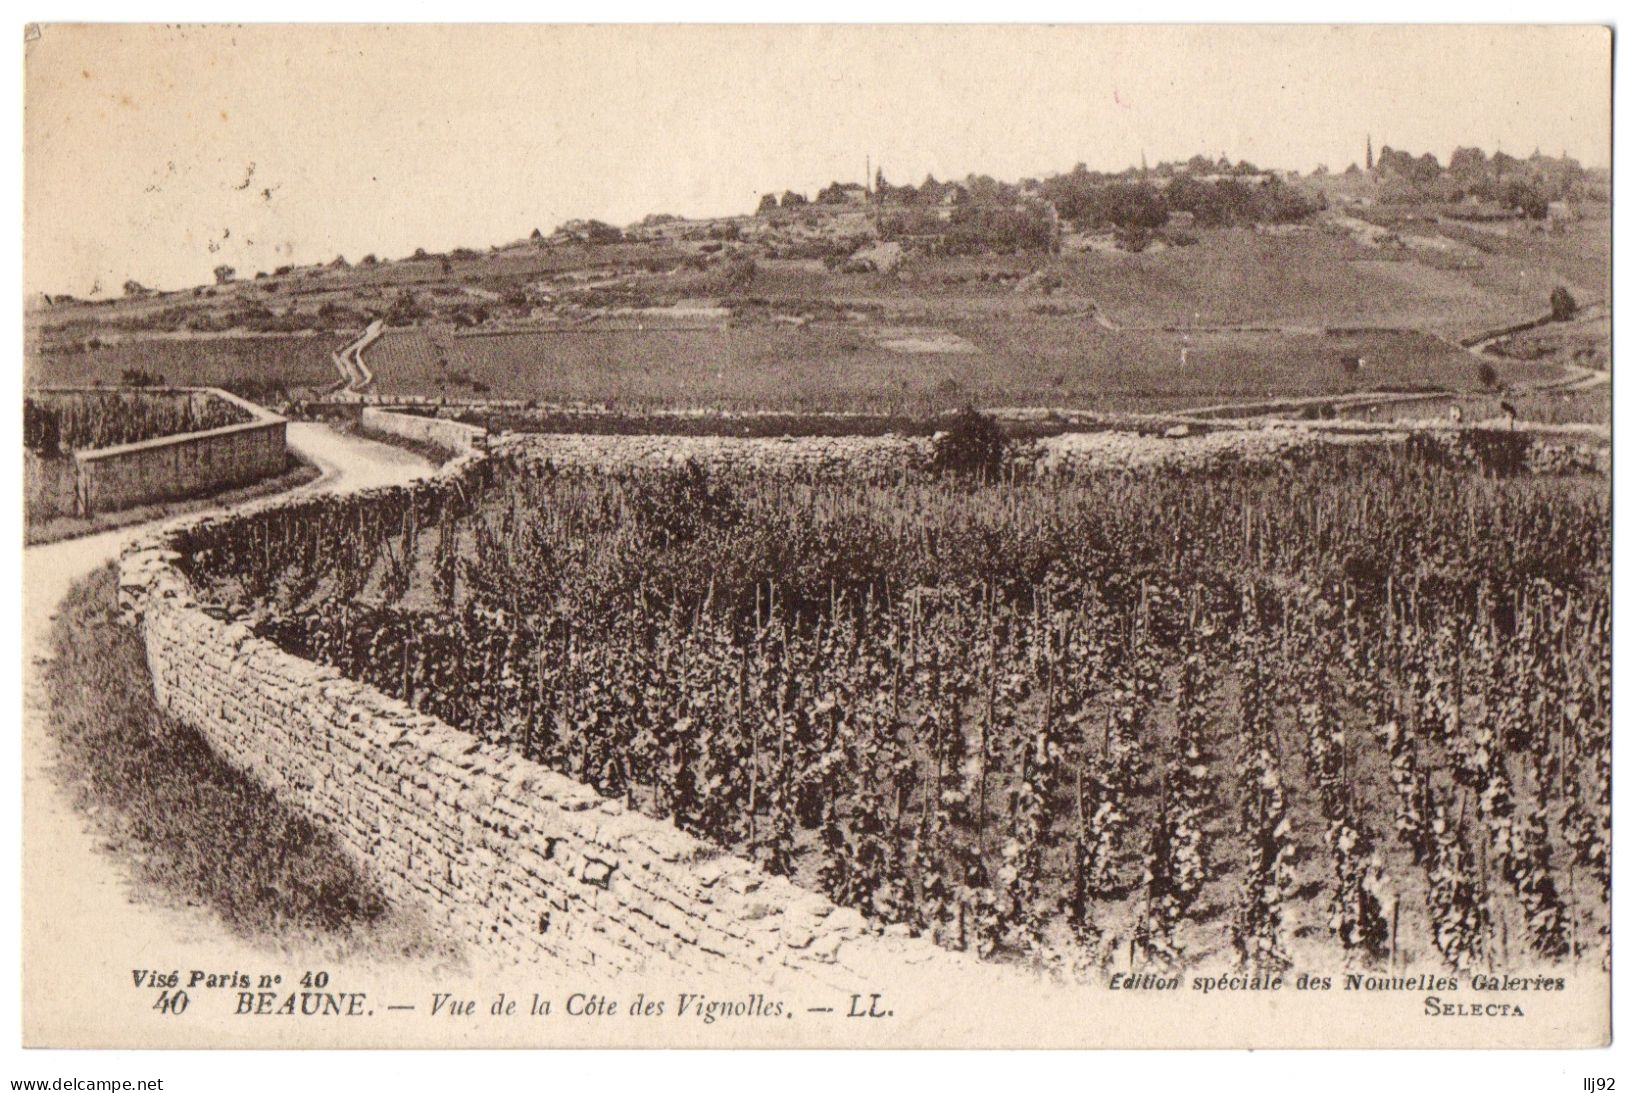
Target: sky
{"points": [[159, 153]]}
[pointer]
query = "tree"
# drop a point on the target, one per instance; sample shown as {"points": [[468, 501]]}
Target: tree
{"points": [[1563, 306], [1119, 204], [1468, 164], [600, 232], [1487, 375], [767, 204], [223, 275], [1279, 203], [1393, 163], [136, 288], [1525, 198], [986, 190], [535, 237], [790, 200], [971, 447], [1135, 205], [833, 194]]}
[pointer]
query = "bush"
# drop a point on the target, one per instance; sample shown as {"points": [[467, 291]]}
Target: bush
{"points": [[972, 447], [673, 508], [1115, 204], [405, 310], [1132, 238], [735, 276], [975, 229], [42, 429], [1563, 306], [1525, 198], [1497, 452]]}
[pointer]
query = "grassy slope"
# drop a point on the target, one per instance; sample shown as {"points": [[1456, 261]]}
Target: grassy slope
{"points": [[194, 829]]}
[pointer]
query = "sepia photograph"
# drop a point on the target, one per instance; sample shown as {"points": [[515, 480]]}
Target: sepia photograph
{"points": [[816, 536]]}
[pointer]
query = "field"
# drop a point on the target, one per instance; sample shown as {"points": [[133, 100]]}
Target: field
{"points": [[1023, 360], [1314, 278], [1343, 709], [253, 365]]}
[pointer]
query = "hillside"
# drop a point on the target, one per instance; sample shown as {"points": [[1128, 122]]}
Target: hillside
{"points": [[821, 307]]}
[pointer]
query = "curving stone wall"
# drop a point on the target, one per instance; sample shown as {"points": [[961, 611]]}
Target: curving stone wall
{"points": [[498, 849]]}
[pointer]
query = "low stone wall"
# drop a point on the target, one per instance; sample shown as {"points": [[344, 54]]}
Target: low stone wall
{"points": [[183, 465], [451, 435], [844, 456], [1095, 452], [499, 850]]}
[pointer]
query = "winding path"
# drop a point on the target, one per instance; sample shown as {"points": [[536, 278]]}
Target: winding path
{"points": [[83, 928], [356, 376]]}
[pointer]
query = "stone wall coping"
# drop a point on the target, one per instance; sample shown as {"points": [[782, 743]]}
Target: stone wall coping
{"points": [[259, 417]]}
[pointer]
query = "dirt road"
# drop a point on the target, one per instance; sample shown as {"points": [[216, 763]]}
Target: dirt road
{"points": [[83, 928], [357, 376]]}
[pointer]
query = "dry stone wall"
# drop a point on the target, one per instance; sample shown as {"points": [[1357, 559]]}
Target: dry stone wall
{"points": [[498, 849], [846, 457]]}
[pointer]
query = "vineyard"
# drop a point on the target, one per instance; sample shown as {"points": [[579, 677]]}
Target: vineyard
{"points": [[1018, 359], [1354, 709], [256, 367], [100, 419]]}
